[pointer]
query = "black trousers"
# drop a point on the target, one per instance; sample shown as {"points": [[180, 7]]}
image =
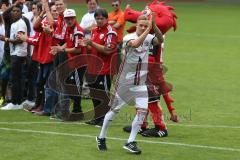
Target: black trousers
{"points": [[17, 78], [73, 79], [31, 77], [99, 91]]}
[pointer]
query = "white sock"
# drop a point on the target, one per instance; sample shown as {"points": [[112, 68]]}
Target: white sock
{"points": [[136, 125], [107, 120]]}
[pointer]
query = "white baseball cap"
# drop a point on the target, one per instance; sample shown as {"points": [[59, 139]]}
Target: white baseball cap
{"points": [[69, 13]]}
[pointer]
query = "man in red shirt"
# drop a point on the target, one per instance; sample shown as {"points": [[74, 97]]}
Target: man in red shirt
{"points": [[73, 35], [44, 57], [101, 48], [61, 26]]}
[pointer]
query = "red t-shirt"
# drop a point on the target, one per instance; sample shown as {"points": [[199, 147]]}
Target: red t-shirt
{"points": [[73, 37], [44, 43], [59, 32], [105, 36]]}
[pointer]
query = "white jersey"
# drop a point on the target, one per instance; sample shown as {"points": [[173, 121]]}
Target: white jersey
{"points": [[131, 82], [18, 49], [136, 59]]}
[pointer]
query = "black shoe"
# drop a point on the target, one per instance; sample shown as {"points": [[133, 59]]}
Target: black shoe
{"points": [[129, 128], [101, 144], [132, 147], [99, 124], [155, 132], [92, 122]]}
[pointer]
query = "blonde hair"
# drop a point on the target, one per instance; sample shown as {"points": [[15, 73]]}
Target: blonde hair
{"points": [[142, 17]]}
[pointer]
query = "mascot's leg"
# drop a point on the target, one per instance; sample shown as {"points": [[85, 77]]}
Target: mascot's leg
{"points": [[160, 129]]}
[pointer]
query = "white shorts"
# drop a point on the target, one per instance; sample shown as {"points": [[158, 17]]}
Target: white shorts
{"points": [[137, 96]]}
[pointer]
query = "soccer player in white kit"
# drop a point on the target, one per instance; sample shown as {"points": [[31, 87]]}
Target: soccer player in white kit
{"points": [[130, 86]]}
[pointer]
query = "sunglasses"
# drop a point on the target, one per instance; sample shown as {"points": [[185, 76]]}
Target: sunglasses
{"points": [[115, 5]]}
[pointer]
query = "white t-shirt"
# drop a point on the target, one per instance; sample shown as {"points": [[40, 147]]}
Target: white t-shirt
{"points": [[18, 49], [87, 21]]}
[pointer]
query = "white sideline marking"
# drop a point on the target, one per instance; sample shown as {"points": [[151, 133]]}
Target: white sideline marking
{"points": [[121, 139], [80, 123]]}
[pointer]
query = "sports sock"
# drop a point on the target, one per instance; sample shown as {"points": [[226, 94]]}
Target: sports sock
{"points": [[136, 124], [145, 121], [107, 120]]}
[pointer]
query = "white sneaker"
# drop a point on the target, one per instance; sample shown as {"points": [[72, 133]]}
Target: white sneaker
{"points": [[28, 104], [11, 106]]}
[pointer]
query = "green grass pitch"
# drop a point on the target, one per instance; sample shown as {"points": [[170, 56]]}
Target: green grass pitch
{"points": [[202, 57]]}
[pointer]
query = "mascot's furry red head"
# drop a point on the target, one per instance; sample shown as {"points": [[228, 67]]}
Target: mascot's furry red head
{"points": [[165, 17]]}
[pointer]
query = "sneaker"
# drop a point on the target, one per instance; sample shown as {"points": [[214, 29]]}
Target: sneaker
{"points": [[101, 144], [30, 109], [11, 106], [42, 113], [92, 122], [38, 109], [55, 117], [28, 104], [129, 128], [99, 124], [155, 132], [132, 147]]}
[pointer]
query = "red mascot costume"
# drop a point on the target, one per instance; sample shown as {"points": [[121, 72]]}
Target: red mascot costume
{"points": [[157, 86]]}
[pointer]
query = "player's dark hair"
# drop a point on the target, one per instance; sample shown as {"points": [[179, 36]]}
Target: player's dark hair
{"points": [[101, 12], [59, 0], [90, 0], [19, 5], [4, 2], [39, 6], [51, 4], [119, 1], [32, 3]]}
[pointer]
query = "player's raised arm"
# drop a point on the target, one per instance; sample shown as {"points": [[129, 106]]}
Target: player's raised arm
{"points": [[144, 26], [47, 11]]}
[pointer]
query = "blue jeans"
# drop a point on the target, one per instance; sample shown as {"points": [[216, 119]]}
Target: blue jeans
{"points": [[43, 74], [51, 99]]}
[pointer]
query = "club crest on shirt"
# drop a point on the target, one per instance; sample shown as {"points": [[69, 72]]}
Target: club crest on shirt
{"points": [[101, 36]]}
